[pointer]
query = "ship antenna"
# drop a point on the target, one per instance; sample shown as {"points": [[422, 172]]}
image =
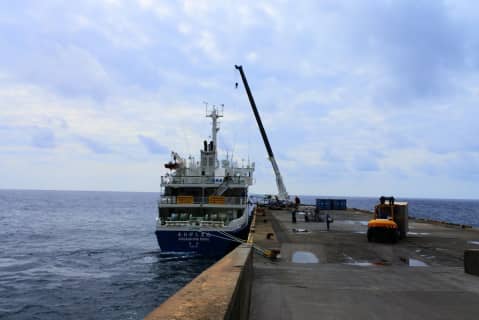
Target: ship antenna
{"points": [[206, 107], [214, 115]]}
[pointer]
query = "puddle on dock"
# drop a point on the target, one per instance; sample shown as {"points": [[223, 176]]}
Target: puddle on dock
{"points": [[428, 257], [379, 263], [360, 232], [351, 262], [474, 242], [304, 257], [360, 222], [413, 262], [360, 263], [417, 263], [418, 233], [299, 230], [383, 262]]}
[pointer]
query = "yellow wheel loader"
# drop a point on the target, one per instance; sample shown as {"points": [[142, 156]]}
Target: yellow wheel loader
{"points": [[383, 227]]}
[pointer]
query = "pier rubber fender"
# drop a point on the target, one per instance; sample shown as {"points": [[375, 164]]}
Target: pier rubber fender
{"points": [[471, 261]]}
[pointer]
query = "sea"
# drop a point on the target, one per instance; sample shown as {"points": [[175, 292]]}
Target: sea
{"points": [[85, 255], [93, 255]]}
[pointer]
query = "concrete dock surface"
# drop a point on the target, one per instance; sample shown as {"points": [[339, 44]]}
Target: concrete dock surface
{"points": [[338, 274]]}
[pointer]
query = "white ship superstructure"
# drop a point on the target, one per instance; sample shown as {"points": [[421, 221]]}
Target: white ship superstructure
{"points": [[202, 199]]}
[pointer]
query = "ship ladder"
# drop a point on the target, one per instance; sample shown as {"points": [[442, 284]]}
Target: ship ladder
{"points": [[222, 187]]}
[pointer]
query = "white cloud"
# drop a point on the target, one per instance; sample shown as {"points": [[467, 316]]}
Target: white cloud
{"points": [[207, 43], [351, 94], [252, 57], [161, 9], [184, 28]]}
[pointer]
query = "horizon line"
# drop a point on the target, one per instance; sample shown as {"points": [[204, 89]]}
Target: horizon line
{"points": [[253, 193]]}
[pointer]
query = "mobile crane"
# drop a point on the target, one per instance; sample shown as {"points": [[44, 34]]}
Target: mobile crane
{"points": [[282, 194]]}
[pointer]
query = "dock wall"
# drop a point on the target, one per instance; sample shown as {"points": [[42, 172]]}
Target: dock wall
{"points": [[220, 292]]}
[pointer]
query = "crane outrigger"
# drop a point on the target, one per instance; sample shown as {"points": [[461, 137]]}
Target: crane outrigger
{"points": [[282, 193]]}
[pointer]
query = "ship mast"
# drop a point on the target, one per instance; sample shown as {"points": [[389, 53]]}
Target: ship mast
{"points": [[214, 114]]}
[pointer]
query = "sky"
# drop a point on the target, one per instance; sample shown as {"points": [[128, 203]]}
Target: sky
{"points": [[358, 98]]}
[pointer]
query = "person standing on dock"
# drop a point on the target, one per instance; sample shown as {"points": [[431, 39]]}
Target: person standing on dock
{"points": [[297, 202], [296, 206], [317, 218], [328, 220]]}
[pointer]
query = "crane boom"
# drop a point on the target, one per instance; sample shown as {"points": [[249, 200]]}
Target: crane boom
{"points": [[282, 194]]}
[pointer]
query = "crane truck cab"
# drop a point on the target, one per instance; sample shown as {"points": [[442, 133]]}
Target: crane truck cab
{"points": [[383, 227]]}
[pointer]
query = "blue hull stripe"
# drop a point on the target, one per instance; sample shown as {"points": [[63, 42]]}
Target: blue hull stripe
{"points": [[208, 243]]}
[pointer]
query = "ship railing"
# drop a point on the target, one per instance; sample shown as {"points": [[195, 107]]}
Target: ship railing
{"points": [[167, 180], [209, 224], [177, 223], [212, 224], [212, 200]]}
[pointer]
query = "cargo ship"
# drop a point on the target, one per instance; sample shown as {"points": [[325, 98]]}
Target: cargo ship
{"points": [[204, 205]]}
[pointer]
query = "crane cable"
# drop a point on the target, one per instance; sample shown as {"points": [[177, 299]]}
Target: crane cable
{"points": [[229, 237], [235, 100]]}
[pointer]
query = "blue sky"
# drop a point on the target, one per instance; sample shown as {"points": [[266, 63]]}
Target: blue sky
{"points": [[359, 98]]}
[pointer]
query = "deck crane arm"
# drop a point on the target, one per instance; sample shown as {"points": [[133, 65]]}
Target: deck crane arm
{"points": [[282, 194]]}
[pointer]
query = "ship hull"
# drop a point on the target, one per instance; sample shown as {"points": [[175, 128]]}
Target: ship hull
{"points": [[205, 242]]}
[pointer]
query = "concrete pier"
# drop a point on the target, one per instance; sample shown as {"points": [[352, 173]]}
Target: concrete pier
{"points": [[220, 292], [339, 275]]}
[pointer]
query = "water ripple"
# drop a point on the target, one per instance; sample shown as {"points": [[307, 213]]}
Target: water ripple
{"points": [[85, 255]]}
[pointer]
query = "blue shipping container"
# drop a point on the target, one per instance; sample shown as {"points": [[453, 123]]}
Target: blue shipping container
{"points": [[339, 204], [331, 204], [324, 204]]}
